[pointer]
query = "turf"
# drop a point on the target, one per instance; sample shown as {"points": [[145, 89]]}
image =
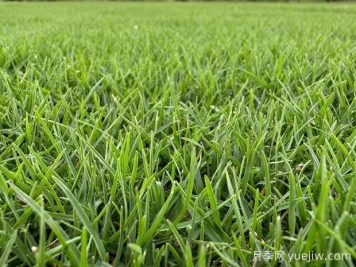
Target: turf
{"points": [[176, 134]]}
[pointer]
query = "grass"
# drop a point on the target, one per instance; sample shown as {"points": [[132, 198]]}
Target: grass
{"points": [[162, 134]]}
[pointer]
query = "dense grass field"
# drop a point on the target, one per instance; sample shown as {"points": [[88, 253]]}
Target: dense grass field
{"points": [[162, 134]]}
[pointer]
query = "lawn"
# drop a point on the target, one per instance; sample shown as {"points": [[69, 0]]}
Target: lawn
{"points": [[177, 134]]}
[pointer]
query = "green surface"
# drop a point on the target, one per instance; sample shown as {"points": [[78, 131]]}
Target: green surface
{"points": [[161, 134]]}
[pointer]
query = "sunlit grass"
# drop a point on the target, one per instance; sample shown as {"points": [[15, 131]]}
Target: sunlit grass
{"points": [[161, 134]]}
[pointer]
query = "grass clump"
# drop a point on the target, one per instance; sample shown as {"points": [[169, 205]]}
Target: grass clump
{"points": [[169, 134]]}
